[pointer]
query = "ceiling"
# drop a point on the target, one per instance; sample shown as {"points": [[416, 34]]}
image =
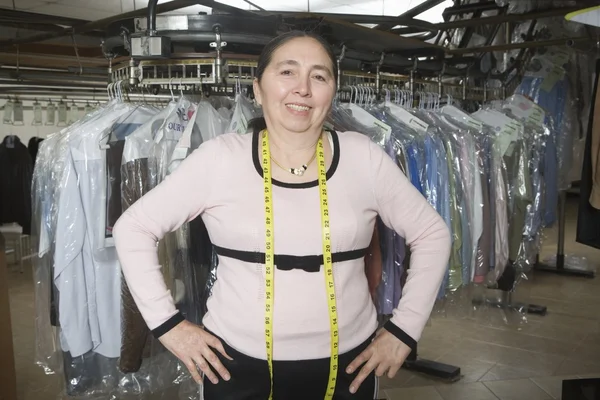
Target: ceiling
{"points": [[91, 10], [37, 35]]}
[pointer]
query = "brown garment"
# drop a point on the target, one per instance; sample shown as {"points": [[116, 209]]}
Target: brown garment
{"points": [[595, 138], [136, 334], [482, 263], [373, 266]]}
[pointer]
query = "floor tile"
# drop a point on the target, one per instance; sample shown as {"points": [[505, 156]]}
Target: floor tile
{"points": [[466, 391], [517, 390], [420, 393], [552, 384], [504, 372], [471, 369], [577, 367], [402, 376]]}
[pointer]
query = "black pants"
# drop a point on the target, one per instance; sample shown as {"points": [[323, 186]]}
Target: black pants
{"points": [[292, 380]]}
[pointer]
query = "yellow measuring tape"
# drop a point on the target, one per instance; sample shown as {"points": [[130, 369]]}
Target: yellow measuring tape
{"points": [[328, 263]]}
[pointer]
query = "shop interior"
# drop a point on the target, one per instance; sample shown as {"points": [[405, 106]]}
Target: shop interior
{"points": [[492, 110]]}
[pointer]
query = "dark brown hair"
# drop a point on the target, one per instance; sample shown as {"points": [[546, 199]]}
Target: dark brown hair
{"points": [[258, 124]]}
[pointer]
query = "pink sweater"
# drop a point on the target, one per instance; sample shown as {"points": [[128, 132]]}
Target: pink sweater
{"points": [[222, 182]]}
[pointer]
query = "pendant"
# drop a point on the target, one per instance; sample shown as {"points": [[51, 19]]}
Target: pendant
{"points": [[299, 171]]}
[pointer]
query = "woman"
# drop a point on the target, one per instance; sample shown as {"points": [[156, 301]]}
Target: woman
{"points": [[289, 326]]}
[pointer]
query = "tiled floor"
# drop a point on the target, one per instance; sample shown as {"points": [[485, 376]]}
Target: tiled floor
{"points": [[500, 356]]}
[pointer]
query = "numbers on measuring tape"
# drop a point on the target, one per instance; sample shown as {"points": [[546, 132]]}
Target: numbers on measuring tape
{"points": [[327, 258]]}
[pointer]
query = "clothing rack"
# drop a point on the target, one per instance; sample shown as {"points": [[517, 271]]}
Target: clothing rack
{"points": [[561, 265]]}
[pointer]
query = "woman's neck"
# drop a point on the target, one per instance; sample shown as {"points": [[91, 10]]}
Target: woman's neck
{"points": [[292, 143], [292, 146]]}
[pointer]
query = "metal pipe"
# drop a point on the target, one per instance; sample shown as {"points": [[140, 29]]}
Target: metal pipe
{"points": [[412, 76], [413, 12], [524, 45], [440, 79], [485, 91], [470, 8], [339, 70], [152, 17], [378, 76], [499, 19], [562, 201], [508, 41], [99, 24]]}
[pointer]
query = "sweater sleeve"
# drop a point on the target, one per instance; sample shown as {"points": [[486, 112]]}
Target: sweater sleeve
{"points": [[181, 197], [403, 209]]}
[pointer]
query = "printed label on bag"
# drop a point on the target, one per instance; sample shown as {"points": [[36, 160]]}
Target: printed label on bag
{"points": [[526, 109], [409, 119], [554, 74], [559, 57], [462, 116]]}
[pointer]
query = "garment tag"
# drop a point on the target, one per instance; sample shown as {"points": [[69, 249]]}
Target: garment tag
{"points": [[176, 122], [407, 118], [18, 113], [185, 141], [554, 74], [8, 113], [368, 120], [37, 114], [73, 114], [526, 109], [62, 114], [462, 116], [559, 57], [50, 114], [500, 123]]}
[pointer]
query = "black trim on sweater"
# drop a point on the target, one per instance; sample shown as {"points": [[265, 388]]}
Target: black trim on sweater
{"points": [[168, 325], [400, 334], [286, 262], [304, 185]]}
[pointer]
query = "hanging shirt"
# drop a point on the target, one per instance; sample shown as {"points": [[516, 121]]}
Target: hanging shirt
{"points": [[16, 174]]}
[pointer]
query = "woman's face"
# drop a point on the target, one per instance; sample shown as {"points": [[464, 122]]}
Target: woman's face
{"points": [[297, 87]]}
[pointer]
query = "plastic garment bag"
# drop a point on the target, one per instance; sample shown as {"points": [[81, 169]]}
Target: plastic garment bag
{"points": [[65, 245], [136, 181], [243, 112]]}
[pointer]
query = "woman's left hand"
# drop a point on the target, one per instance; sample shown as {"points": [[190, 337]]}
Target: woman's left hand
{"points": [[385, 354]]}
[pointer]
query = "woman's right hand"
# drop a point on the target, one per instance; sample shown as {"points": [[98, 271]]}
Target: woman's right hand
{"points": [[194, 347]]}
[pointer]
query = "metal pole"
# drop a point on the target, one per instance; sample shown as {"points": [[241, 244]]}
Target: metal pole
{"points": [[378, 76], [339, 70], [412, 77], [523, 45], [152, 17], [560, 253]]}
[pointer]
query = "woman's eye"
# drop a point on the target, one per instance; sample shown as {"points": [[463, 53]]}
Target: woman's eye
{"points": [[286, 72], [320, 78]]}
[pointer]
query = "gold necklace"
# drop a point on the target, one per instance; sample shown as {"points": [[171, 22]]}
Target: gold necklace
{"points": [[297, 171]]}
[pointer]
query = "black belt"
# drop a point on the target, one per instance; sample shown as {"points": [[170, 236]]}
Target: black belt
{"points": [[286, 262]]}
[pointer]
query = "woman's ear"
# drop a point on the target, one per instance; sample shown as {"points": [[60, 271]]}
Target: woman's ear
{"points": [[257, 92]]}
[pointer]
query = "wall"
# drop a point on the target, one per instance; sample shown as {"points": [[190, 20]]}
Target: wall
{"points": [[8, 381], [27, 131]]}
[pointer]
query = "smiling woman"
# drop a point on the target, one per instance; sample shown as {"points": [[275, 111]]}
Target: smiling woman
{"points": [[291, 211]]}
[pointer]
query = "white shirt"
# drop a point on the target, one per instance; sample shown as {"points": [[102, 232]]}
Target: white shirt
{"points": [[87, 273]]}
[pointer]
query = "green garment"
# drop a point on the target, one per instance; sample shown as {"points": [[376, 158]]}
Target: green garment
{"points": [[455, 275]]}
